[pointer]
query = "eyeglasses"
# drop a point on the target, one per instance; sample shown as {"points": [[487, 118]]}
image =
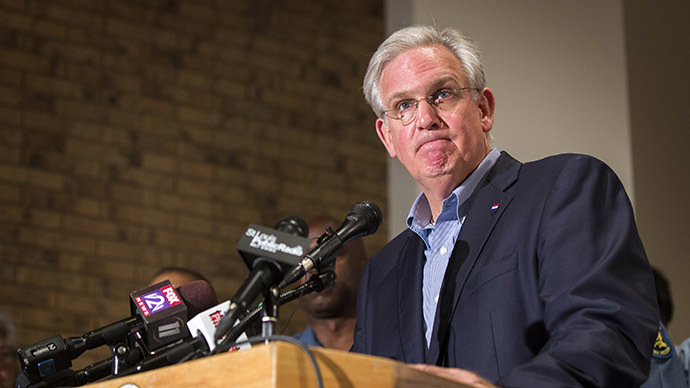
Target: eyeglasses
{"points": [[443, 100]]}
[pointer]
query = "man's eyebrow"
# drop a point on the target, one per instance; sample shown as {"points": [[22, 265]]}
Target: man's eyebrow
{"points": [[398, 96], [432, 85]]}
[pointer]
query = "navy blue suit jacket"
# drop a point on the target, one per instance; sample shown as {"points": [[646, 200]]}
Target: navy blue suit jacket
{"points": [[548, 284]]}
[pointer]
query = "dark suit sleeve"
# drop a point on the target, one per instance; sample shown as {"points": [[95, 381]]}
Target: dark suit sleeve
{"points": [[359, 344], [595, 284]]}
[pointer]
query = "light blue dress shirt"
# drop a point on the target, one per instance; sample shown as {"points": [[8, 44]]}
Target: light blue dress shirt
{"points": [[440, 235]]}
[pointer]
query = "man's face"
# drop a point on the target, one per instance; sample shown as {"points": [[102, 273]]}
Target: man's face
{"points": [[448, 144]]}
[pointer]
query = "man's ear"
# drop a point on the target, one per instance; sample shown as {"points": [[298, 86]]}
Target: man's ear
{"points": [[487, 106], [385, 135]]}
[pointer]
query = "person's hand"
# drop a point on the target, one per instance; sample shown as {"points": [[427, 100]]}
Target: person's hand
{"points": [[460, 375]]}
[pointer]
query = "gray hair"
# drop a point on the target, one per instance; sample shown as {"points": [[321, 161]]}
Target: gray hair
{"points": [[407, 38]]}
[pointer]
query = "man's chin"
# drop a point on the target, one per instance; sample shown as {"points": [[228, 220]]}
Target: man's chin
{"points": [[320, 304], [323, 309], [326, 314]]}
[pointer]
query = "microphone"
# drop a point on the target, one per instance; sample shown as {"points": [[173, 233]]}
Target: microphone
{"points": [[206, 322], [203, 327], [197, 296], [363, 219], [161, 312], [157, 310], [269, 253], [170, 356], [68, 377]]}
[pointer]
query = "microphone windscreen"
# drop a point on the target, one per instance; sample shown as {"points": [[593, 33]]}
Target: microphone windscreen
{"points": [[293, 225], [197, 296], [369, 213]]}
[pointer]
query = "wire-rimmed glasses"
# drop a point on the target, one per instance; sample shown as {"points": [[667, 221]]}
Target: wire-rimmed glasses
{"points": [[442, 100]]}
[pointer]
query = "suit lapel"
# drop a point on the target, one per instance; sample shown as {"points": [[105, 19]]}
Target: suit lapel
{"points": [[410, 318], [488, 203]]}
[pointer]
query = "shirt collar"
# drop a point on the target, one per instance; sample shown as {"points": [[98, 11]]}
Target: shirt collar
{"points": [[419, 216]]}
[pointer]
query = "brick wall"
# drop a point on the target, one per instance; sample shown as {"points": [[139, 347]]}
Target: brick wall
{"points": [[141, 134]]}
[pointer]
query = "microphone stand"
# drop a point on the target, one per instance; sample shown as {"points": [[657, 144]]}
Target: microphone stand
{"points": [[316, 283], [269, 319]]}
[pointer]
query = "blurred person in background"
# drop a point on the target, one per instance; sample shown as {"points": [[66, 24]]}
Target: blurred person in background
{"points": [[668, 366], [9, 363], [178, 276], [663, 296], [332, 313]]}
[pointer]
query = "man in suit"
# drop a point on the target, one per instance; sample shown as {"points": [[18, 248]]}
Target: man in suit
{"points": [[509, 274]]}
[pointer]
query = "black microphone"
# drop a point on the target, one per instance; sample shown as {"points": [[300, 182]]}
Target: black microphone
{"points": [[159, 326], [170, 356], [363, 219], [269, 253], [68, 377], [202, 345], [161, 311]]}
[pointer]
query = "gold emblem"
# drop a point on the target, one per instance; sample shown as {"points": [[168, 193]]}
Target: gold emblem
{"points": [[661, 347]]}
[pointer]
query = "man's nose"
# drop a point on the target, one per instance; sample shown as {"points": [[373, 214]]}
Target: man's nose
{"points": [[427, 116]]}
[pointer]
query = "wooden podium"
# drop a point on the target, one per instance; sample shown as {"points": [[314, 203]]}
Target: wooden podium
{"points": [[281, 364]]}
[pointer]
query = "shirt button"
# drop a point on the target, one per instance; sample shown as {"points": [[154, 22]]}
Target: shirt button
{"points": [[436, 299], [443, 250]]}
